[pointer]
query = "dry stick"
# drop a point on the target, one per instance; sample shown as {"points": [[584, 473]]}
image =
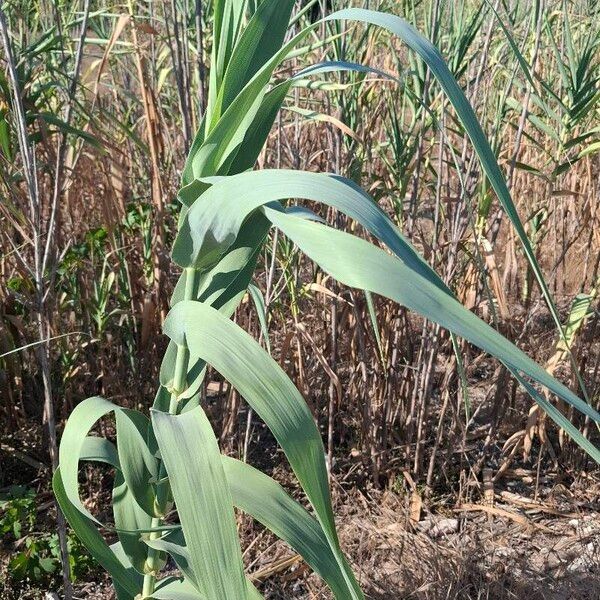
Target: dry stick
{"points": [[247, 434], [62, 146], [412, 216], [435, 249], [177, 60], [369, 441], [28, 157], [438, 439], [420, 388], [200, 60], [332, 394], [433, 344], [392, 391], [188, 77]]}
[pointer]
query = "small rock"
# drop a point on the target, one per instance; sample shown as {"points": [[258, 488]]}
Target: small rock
{"points": [[444, 527], [504, 552], [582, 563]]}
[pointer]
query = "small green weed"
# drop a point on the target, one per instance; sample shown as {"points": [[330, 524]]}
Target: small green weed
{"points": [[34, 556]]}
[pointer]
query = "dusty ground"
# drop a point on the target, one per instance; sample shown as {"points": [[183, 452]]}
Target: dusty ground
{"points": [[508, 546]]}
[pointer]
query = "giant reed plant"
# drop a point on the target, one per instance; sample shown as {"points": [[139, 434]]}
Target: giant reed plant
{"points": [[174, 493]]}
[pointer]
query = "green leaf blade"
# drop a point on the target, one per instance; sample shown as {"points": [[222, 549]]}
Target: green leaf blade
{"points": [[191, 455]]}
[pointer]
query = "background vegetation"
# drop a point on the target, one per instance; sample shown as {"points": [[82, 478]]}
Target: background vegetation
{"points": [[112, 95]]}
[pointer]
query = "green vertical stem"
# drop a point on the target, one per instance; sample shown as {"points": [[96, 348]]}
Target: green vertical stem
{"points": [[163, 491]]}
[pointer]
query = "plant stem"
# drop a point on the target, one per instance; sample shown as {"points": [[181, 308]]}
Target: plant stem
{"points": [[162, 492]]}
